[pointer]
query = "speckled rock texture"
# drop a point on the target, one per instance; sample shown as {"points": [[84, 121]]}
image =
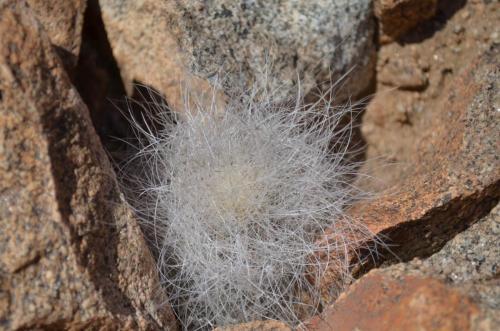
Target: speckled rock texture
{"points": [[147, 52], [263, 44], [257, 325], [469, 262], [63, 21], [455, 178], [71, 255], [455, 289]]}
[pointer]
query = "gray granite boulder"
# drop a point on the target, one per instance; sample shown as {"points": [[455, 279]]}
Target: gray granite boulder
{"points": [[251, 43]]}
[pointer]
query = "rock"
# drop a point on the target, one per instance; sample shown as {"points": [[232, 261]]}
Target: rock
{"points": [[454, 176], [454, 289], [469, 262], [398, 16], [146, 52], [380, 302], [316, 41], [71, 254], [453, 180], [63, 21], [401, 72], [257, 325], [471, 255]]}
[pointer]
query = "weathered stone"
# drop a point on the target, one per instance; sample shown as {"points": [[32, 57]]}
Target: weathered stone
{"points": [[380, 302], [401, 72], [454, 178], [257, 325], [314, 40], [146, 52], [469, 262], [71, 254], [395, 119], [454, 289], [398, 16], [63, 21]]}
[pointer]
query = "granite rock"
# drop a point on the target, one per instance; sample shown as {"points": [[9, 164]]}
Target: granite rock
{"points": [[269, 325], [381, 302], [71, 254], [63, 21], [147, 53], [454, 179], [454, 289], [470, 262], [246, 44]]}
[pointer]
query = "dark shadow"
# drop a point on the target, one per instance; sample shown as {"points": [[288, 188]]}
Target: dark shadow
{"points": [[97, 78], [425, 30]]}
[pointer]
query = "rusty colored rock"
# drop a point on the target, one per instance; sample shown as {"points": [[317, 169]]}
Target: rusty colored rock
{"points": [[398, 16], [402, 72], [257, 325], [71, 254], [454, 179], [455, 176], [63, 21], [381, 302], [454, 289]]}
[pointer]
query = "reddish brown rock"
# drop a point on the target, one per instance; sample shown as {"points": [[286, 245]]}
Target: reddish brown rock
{"points": [[454, 178], [398, 16], [401, 71], [63, 21], [380, 302], [71, 254], [257, 325], [454, 289]]}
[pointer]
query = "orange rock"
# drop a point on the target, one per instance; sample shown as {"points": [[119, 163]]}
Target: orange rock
{"points": [[257, 325], [398, 16], [454, 177], [380, 302]]}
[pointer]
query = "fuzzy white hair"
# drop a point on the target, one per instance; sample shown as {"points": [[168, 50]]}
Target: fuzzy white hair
{"points": [[237, 200]]}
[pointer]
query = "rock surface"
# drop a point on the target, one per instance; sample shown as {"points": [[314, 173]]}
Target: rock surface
{"points": [[441, 137], [257, 325], [398, 16], [146, 52], [380, 302], [317, 41], [71, 254], [454, 178], [63, 21], [455, 289], [469, 263]]}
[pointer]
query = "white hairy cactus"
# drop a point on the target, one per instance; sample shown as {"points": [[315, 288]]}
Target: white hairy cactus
{"points": [[238, 200]]}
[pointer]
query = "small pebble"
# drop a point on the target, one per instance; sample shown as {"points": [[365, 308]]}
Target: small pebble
{"points": [[457, 29], [495, 37]]}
